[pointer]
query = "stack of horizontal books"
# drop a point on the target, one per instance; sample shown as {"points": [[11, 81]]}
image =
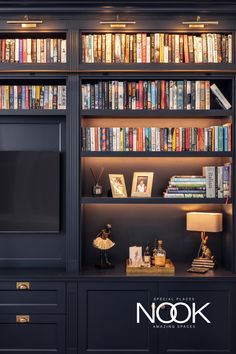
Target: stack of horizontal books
{"points": [[186, 187], [215, 182], [203, 263]]}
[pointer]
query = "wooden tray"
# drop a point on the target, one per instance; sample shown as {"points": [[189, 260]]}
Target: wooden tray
{"points": [[168, 270]]}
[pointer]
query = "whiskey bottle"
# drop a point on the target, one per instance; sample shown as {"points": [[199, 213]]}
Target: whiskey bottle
{"points": [[147, 256], [160, 255]]}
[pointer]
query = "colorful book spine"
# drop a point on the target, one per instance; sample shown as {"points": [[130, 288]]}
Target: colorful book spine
{"points": [[147, 95], [31, 50], [220, 97], [218, 180], [32, 97], [215, 182], [156, 48], [161, 139]]}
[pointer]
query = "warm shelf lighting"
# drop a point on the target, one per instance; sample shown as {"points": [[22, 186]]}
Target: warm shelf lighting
{"points": [[25, 23], [198, 23], [117, 23]]}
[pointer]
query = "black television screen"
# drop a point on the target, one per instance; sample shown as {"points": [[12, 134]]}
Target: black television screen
{"points": [[29, 191]]}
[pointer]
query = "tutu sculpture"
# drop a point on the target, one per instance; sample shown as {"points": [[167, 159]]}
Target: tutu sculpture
{"points": [[104, 243]]}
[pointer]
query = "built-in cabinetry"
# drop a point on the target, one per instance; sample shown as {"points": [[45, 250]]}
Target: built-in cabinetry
{"points": [[68, 307], [110, 306]]}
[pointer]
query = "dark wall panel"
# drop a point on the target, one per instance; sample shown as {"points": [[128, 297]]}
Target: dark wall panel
{"points": [[30, 136]]}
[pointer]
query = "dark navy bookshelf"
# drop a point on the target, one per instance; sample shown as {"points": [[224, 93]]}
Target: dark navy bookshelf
{"points": [[156, 154], [108, 113], [154, 200], [81, 306]]}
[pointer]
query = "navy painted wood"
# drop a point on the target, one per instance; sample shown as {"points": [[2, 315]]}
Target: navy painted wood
{"points": [[154, 200], [154, 114], [40, 298], [72, 175], [78, 6], [72, 318], [216, 336], [109, 308], [43, 334], [107, 318], [154, 154], [103, 305]]}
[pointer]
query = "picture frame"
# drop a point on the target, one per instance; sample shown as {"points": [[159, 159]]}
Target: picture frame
{"points": [[142, 184], [118, 187]]}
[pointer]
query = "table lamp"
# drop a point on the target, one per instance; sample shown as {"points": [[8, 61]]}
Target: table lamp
{"points": [[204, 222]]}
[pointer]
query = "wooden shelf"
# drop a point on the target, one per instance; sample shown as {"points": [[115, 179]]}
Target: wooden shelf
{"points": [[110, 113], [153, 200], [33, 112], [155, 154], [180, 272]]}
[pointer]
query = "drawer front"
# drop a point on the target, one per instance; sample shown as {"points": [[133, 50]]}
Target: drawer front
{"points": [[42, 334], [33, 297]]}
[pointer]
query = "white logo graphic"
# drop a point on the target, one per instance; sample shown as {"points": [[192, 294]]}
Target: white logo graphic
{"points": [[156, 312]]}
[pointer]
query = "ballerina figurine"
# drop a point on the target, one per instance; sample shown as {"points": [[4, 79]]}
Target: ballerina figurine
{"points": [[104, 243]]}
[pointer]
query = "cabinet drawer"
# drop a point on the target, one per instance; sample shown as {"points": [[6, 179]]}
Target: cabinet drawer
{"points": [[42, 334], [33, 297]]}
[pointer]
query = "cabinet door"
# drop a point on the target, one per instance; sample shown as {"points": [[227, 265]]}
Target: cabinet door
{"points": [[202, 337], [32, 334], [107, 317]]}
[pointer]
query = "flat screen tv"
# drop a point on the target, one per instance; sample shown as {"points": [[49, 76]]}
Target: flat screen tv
{"points": [[29, 191]]}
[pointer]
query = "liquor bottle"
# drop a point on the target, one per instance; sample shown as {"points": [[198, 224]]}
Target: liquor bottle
{"points": [[160, 255], [154, 252], [147, 256]]}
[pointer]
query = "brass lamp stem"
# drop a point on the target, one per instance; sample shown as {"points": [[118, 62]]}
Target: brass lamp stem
{"points": [[203, 234]]}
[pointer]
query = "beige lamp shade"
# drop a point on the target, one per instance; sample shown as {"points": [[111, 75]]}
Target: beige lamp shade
{"points": [[207, 222]]}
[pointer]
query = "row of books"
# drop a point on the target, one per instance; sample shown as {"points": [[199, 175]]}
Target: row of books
{"points": [[33, 97], [215, 182], [156, 48], [215, 138], [32, 50], [151, 95]]}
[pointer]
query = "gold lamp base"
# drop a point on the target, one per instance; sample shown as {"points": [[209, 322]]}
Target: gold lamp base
{"points": [[205, 259]]}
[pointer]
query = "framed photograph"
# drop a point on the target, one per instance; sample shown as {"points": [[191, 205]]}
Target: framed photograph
{"points": [[142, 184], [135, 256], [118, 187]]}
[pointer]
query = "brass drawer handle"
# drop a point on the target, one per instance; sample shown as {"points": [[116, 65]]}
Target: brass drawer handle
{"points": [[22, 318], [22, 285]]}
